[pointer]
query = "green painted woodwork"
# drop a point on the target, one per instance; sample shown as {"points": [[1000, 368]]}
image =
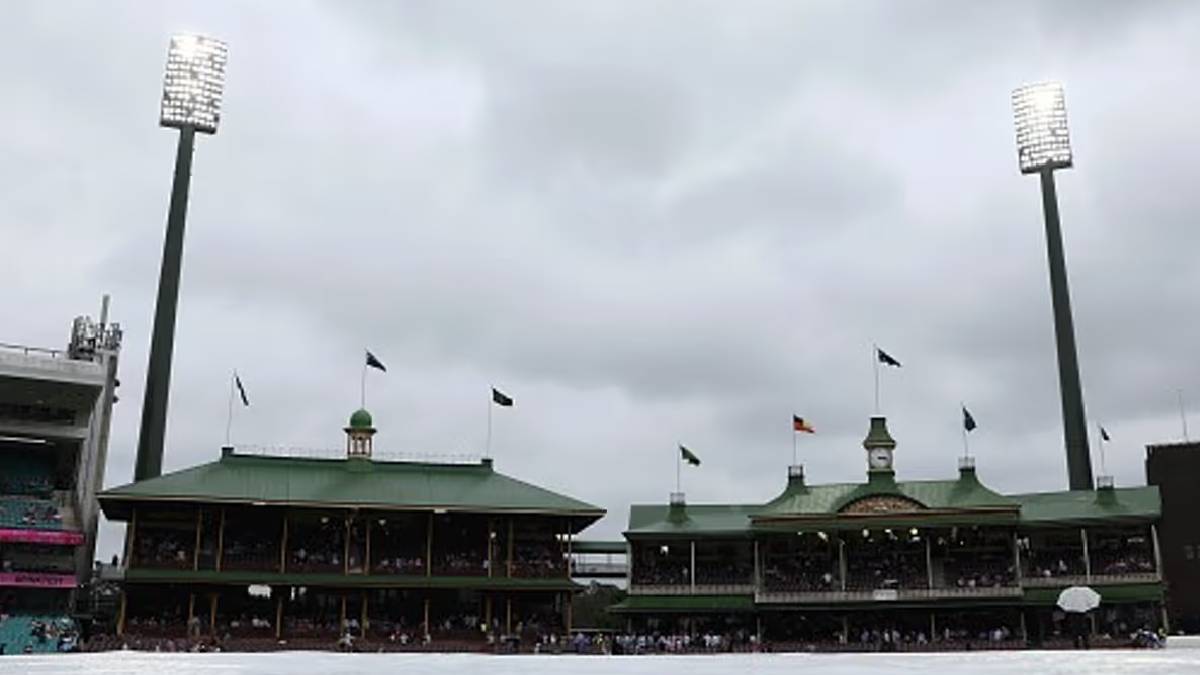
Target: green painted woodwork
{"points": [[342, 580], [598, 546], [684, 603]]}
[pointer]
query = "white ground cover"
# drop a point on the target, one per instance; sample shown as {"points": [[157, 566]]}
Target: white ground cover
{"points": [[1181, 657]]}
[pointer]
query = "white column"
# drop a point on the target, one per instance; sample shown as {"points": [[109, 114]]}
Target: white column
{"points": [[1017, 562], [842, 560], [1087, 560], [693, 574], [1157, 551], [757, 570], [929, 560]]}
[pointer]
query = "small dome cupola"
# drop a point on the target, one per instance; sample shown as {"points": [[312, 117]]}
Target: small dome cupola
{"points": [[359, 434]]}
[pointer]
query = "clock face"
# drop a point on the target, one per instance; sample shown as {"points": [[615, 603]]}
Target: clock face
{"points": [[879, 458]]}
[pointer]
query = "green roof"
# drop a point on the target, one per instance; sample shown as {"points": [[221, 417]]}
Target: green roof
{"points": [[1081, 506], [709, 519], [341, 483], [945, 502], [585, 546], [964, 493]]}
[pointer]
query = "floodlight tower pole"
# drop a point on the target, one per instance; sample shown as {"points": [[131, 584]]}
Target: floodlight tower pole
{"points": [[162, 342], [193, 86], [1079, 458], [1043, 145]]}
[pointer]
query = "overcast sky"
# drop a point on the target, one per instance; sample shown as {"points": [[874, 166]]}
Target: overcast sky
{"points": [[648, 222]]}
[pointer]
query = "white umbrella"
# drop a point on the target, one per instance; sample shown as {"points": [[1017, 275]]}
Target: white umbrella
{"points": [[1078, 599]]}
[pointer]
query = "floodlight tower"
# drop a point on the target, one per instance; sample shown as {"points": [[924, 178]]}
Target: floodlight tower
{"points": [[191, 102], [1044, 145]]}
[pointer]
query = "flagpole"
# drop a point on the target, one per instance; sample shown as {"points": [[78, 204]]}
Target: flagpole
{"points": [[363, 387], [1182, 416], [229, 414], [875, 360], [962, 407], [678, 467], [794, 434], [1103, 464], [491, 404]]}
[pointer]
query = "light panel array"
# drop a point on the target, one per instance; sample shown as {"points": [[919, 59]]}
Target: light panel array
{"points": [[1040, 112], [194, 83]]}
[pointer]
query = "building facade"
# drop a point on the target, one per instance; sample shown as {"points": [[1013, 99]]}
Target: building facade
{"points": [[938, 562], [285, 548], [1175, 468], [55, 412]]}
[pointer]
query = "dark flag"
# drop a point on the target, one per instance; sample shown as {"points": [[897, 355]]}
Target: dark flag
{"points": [[501, 399], [1104, 435], [798, 424], [688, 456], [241, 390], [968, 421], [886, 358], [375, 363]]}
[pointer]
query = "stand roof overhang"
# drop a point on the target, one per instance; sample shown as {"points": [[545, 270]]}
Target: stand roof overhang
{"points": [[348, 484]]}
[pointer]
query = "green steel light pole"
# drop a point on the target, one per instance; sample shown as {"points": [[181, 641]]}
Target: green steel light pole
{"points": [[1043, 145], [191, 102]]}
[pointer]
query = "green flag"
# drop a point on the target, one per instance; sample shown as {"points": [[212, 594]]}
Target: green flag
{"points": [[688, 456]]}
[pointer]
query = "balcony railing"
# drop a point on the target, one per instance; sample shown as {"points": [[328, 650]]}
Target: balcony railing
{"points": [[885, 595], [698, 589]]}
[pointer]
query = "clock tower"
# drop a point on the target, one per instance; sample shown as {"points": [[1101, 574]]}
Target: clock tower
{"points": [[879, 445]]}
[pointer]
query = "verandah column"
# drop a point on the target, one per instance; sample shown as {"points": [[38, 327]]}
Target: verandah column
{"points": [[278, 611], [490, 532], [212, 612], [1087, 558], [929, 560], [221, 541], [428, 556], [129, 537], [842, 560], [196, 547], [510, 546], [283, 542], [692, 573]]}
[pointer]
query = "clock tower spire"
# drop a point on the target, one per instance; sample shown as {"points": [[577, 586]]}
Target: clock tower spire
{"points": [[879, 445]]}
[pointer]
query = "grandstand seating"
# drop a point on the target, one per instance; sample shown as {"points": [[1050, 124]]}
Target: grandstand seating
{"points": [[26, 474], [29, 513], [16, 632]]}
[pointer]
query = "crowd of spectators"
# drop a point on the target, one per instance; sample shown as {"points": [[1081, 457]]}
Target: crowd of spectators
{"points": [[35, 558], [162, 549], [250, 553], [980, 573], [538, 560], [318, 549], [29, 513], [469, 562], [886, 564], [1122, 555], [799, 573], [414, 565]]}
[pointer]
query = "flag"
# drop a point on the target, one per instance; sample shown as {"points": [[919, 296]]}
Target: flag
{"points": [[968, 421], [375, 363], [501, 399], [241, 390], [688, 456], [886, 358], [798, 424], [1104, 435]]}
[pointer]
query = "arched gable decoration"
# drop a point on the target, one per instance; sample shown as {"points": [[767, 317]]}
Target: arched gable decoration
{"points": [[882, 504]]}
